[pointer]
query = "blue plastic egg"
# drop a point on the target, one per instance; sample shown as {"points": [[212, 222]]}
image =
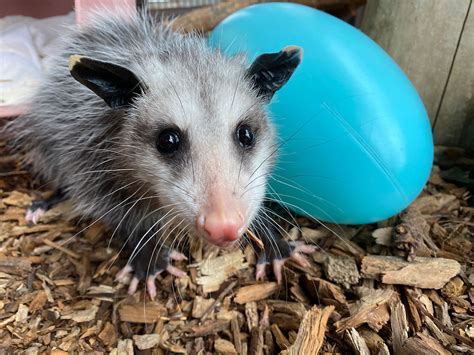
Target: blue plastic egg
{"points": [[356, 140]]}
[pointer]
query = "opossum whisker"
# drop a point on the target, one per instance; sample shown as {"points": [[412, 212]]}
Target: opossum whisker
{"points": [[135, 252], [269, 210], [158, 252], [178, 238], [268, 234], [304, 201], [159, 240], [163, 227], [298, 228], [109, 195], [125, 216], [303, 190], [102, 216], [253, 187], [285, 141], [137, 225], [342, 238], [104, 171], [187, 193], [240, 171]]}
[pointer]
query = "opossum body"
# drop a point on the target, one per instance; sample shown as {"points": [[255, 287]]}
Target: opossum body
{"points": [[159, 136]]}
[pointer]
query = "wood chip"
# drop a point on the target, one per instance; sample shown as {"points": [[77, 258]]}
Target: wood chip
{"points": [[141, 312], [424, 344], [125, 347], [342, 270], [15, 265], [108, 335], [422, 272], [310, 337], [18, 199], [255, 292], [147, 341], [398, 321], [224, 347], [357, 342], [255, 239], [371, 309], [81, 316], [217, 270]]}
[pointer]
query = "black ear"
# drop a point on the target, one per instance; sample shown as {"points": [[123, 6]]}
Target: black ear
{"points": [[270, 71], [116, 85]]}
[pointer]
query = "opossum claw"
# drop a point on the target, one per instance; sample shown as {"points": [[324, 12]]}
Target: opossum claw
{"points": [[176, 255], [32, 216], [150, 286], [132, 288], [277, 251], [150, 270], [40, 207], [122, 275], [173, 270], [278, 263]]}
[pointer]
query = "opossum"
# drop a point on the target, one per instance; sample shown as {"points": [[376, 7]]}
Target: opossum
{"points": [[158, 135]]}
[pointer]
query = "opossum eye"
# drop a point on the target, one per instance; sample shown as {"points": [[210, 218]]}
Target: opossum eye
{"points": [[168, 141], [245, 136]]}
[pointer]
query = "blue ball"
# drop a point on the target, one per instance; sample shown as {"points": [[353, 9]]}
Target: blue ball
{"points": [[356, 140]]}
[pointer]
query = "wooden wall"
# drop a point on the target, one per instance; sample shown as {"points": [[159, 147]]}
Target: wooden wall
{"points": [[433, 42]]}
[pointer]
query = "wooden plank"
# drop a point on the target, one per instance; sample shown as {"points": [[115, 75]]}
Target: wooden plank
{"points": [[421, 36], [455, 122]]}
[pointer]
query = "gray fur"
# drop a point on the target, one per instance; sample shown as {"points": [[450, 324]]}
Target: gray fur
{"points": [[105, 160]]}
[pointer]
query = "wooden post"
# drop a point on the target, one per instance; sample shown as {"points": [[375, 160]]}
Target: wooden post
{"points": [[433, 42]]}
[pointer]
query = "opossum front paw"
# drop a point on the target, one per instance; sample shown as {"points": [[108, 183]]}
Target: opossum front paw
{"points": [[148, 269], [279, 253], [40, 207]]}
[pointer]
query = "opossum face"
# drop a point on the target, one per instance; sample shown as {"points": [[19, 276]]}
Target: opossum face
{"points": [[198, 131]]}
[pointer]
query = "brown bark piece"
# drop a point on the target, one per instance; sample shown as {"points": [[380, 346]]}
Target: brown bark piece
{"points": [[341, 270], [209, 327], [200, 306], [371, 309], [15, 265], [235, 328], [146, 341], [374, 342], [398, 321], [256, 341], [325, 292], [281, 340], [255, 292], [17, 199], [251, 313], [224, 347], [410, 232], [358, 343], [422, 272], [108, 335], [310, 337], [423, 344], [214, 271], [140, 312]]}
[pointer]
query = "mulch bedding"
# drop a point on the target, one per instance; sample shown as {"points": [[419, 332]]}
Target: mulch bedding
{"points": [[404, 285]]}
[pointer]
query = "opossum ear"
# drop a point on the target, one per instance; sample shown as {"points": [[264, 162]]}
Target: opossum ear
{"points": [[270, 71], [116, 85]]}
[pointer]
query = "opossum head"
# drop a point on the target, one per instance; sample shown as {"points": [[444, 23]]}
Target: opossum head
{"points": [[196, 131]]}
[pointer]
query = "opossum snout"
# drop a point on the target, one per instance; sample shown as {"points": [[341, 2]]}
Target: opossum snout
{"points": [[221, 229], [222, 221]]}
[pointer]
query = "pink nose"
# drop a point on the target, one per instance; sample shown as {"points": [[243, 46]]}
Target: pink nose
{"points": [[221, 228]]}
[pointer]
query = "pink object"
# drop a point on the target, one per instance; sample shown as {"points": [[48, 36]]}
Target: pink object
{"points": [[221, 221], [46, 8], [84, 8]]}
